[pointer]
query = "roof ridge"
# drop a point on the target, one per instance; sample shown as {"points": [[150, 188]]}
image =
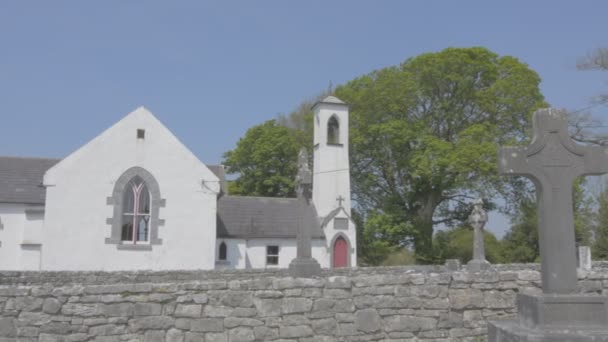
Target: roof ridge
{"points": [[24, 157], [262, 197]]}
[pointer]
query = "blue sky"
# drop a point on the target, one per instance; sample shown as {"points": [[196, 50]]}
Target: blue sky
{"points": [[210, 70]]}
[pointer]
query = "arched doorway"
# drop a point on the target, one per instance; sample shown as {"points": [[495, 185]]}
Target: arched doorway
{"points": [[340, 252]]}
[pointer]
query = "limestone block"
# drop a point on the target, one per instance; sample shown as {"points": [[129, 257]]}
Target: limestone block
{"points": [[51, 306], [217, 311], [325, 326], [296, 305], [174, 335], [241, 335], [237, 299], [367, 320], [207, 325], [295, 331], [83, 310], [58, 328], [154, 336], [120, 310], [216, 337], [151, 322], [8, 327], [263, 333], [409, 323], [268, 307], [185, 310], [194, 337], [244, 312], [147, 309], [233, 322]]}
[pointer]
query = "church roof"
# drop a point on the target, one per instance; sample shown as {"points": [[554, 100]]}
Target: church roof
{"points": [[262, 217], [21, 179]]}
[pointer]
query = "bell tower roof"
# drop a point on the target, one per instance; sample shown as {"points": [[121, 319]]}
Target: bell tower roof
{"points": [[330, 100]]}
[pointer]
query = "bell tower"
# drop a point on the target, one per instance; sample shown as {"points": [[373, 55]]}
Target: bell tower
{"points": [[331, 172]]}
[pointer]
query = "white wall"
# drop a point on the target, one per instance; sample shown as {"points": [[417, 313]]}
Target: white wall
{"points": [[236, 254], [76, 207], [256, 252], [331, 169], [21, 236]]}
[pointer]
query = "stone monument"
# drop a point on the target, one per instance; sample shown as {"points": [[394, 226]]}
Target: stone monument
{"points": [[584, 258], [304, 265], [553, 161], [478, 219]]}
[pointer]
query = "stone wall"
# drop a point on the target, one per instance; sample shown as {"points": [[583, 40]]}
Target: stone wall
{"points": [[365, 304]]}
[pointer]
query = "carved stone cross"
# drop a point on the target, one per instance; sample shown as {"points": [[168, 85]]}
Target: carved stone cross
{"points": [[553, 161]]}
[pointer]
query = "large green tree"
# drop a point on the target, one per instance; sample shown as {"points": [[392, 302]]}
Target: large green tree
{"points": [[424, 136], [521, 243], [457, 243], [600, 244], [265, 160]]}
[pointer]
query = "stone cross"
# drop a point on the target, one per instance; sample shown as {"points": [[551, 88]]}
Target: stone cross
{"points": [[340, 199], [304, 177], [303, 265], [478, 219], [553, 161]]}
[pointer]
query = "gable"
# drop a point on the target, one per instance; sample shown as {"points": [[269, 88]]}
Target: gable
{"points": [[121, 144], [336, 213]]}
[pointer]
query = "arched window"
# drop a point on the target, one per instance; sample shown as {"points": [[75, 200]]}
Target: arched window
{"points": [[223, 251], [135, 212], [136, 200], [333, 131]]}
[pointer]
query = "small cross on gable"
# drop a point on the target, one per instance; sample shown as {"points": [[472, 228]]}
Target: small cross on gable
{"points": [[340, 199], [553, 161]]}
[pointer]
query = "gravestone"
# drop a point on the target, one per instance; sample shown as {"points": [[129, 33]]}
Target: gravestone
{"points": [[584, 258], [478, 219], [304, 265], [452, 264], [553, 161]]}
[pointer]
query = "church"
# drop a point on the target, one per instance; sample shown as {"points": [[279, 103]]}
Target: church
{"points": [[136, 198]]}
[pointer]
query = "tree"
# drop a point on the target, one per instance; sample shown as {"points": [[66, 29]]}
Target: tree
{"points": [[521, 243], [600, 244], [265, 160], [424, 136], [457, 243], [596, 60]]}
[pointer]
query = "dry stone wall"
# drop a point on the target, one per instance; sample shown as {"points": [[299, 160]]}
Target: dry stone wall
{"points": [[365, 304]]}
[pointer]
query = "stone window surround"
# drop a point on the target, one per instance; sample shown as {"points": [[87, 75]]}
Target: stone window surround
{"points": [[156, 202], [335, 140]]}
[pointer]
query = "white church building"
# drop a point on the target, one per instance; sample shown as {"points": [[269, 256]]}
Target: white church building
{"points": [[135, 198]]}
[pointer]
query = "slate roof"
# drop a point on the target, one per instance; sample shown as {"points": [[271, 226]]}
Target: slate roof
{"points": [[21, 179], [262, 217]]}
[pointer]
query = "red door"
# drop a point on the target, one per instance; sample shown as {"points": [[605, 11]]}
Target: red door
{"points": [[340, 253]]}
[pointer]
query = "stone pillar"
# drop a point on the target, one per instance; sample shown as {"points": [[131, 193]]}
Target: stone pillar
{"points": [[304, 265], [553, 161], [478, 219], [584, 258]]}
